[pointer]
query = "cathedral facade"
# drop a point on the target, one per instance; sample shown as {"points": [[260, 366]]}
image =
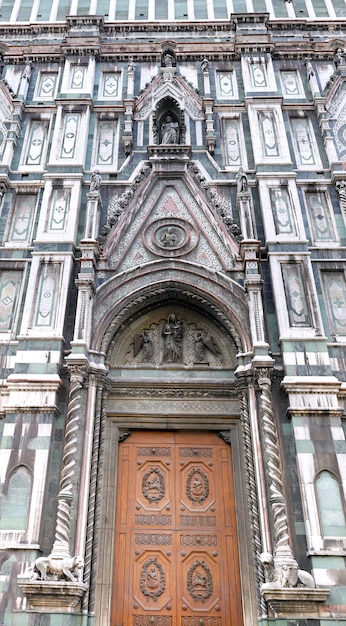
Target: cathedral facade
{"points": [[173, 313]]}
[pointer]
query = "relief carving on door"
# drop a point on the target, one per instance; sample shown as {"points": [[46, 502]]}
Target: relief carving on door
{"points": [[197, 486], [153, 580], [199, 581], [153, 485]]}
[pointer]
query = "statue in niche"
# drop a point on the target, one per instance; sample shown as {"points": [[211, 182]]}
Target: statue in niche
{"points": [[144, 343], [168, 60], [95, 181], [341, 189], [339, 57], [203, 342], [27, 71], [205, 65], [169, 131], [309, 70], [173, 340], [242, 182]]}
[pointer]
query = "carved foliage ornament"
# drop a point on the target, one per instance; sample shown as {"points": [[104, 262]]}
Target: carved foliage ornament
{"points": [[199, 581], [152, 580], [153, 485]]}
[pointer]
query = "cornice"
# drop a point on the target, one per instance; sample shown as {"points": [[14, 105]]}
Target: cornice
{"points": [[220, 43], [74, 24]]}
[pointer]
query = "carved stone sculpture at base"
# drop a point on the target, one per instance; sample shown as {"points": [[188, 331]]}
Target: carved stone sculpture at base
{"points": [[52, 568], [286, 575]]}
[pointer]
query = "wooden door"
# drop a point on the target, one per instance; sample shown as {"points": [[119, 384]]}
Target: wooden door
{"points": [[176, 555]]}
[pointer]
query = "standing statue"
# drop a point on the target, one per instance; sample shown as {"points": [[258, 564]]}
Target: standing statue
{"points": [[339, 57], [309, 70], [341, 189], [169, 131], [95, 181], [205, 65], [173, 340], [168, 60], [242, 182], [27, 71]]}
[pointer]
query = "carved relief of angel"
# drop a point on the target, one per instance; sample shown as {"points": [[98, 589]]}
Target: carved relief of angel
{"points": [[204, 341], [144, 343]]}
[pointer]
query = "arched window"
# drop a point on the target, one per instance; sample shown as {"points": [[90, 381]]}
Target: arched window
{"points": [[14, 504], [330, 505]]}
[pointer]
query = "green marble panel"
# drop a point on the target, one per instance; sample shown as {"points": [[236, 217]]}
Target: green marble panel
{"points": [[64, 9], [279, 8], [24, 11], [201, 12], [328, 562], [141, 10], [180, 9], [83, 7], [304, 446], [44, 11], [220, 9], [161, 9], [339, 8], [6, 10]]}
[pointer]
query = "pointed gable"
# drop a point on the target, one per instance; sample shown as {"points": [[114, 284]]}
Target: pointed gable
{"points": [[171, 219]]}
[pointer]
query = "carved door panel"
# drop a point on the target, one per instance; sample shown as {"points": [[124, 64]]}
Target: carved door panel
{"points": [[176, 557]]}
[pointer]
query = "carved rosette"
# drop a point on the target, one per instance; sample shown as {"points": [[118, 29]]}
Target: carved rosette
{"points": [[197, 486], [152, 579], [153, 485], [199, 581]]}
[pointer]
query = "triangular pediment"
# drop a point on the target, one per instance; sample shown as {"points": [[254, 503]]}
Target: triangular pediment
{"points": [[171, 221], [169, 85]]}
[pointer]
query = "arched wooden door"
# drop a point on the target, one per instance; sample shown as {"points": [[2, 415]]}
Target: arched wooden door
{"points": [[176, 554]]}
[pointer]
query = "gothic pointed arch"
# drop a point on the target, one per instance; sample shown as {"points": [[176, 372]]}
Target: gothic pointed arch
{"points": [[162, 286]]}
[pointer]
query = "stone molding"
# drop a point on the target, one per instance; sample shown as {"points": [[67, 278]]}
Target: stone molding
{"points": [[308, 396], [294, 602], [53, 596]]}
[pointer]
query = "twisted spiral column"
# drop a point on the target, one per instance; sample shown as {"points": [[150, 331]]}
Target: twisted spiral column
{"points": [[61, 546], [98, 498], [282, 551], [90, 535], [252, 498]]}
